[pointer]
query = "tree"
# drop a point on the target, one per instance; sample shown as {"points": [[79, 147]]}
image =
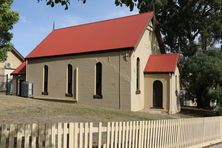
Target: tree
{"points": [[8, 18], [186, 26], [201, 74]]}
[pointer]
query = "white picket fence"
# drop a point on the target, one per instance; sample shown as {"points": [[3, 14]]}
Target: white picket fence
{"points": [[193, 132]]}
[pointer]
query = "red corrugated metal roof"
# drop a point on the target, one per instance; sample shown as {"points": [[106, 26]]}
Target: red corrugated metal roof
{"points": [[111, 34], [162, 63], [21, 70]]}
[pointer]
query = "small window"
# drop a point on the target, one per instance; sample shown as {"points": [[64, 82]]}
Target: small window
{"points": [[69, 81], [138, 76], [45, 80], [98, 80]]}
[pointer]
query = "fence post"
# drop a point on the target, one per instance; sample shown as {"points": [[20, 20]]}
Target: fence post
{"points": [[60, 132], [108, 135], [137, 134], [112, 134], [90, 134], [27, 134], [160, 133], [130, 133], [120, 135], [41, 137], [133, 133], [53, 137], [127, 134], [157, 132], [71, 134], [86, 135], [145, 134], [81, 135], [140, 134], [3, 136], [65, 133], [100, 135], [123, 133], [148, 133], [12, 135], [116, 133], [20, 134]]}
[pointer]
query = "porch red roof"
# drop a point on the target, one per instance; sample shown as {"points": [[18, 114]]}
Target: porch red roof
{"points": [[162, 63], [106, 35], [21, 70]]}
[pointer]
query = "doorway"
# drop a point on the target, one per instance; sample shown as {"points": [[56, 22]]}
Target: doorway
{"points": [[157, 94]]}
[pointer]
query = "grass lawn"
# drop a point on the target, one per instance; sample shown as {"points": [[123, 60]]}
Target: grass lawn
{"points": [[24, 110]]}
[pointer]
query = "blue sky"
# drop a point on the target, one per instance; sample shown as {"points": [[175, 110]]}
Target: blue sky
{"points": [[36, 19]]}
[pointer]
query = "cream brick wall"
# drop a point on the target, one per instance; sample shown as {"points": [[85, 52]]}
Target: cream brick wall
{"points": [[148, 45], [115, 93], [175, 87]]}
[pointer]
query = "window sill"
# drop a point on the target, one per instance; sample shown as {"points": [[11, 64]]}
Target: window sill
{"points": [[138, 92], [69, 95], [97, 96], [156, 107], [44, 93]]}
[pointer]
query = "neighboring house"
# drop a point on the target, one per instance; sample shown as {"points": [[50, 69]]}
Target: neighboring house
{"points": [[14, 59], [18, 78], [116, 63]]}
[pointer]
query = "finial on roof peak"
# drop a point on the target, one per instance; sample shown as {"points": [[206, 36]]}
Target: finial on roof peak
{"points": [[53, 27]]}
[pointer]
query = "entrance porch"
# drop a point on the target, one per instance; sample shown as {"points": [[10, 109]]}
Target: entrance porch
{"points": [[162, 83]]}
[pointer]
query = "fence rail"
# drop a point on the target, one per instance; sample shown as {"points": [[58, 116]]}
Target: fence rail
{"points": [[193, 132]]}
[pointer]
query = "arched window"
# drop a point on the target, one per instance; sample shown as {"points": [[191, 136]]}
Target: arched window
{"points": [[69, 80], [45, 80], [138, 76], [98, 80], [157, 94]]}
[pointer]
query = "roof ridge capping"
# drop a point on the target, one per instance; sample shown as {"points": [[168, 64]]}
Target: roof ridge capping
{"points": [[106, 20]]}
